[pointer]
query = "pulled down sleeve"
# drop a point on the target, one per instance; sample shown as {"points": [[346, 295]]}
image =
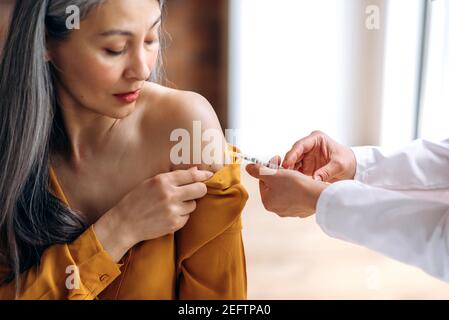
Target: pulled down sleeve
{"points": [[210, 253], [79, 270]]}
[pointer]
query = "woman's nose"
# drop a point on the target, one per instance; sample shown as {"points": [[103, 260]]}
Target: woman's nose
{"points": [[139, 68]]}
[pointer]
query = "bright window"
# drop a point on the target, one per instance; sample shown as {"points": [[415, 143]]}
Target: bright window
{"points": [[435, 106], [284, 71]]}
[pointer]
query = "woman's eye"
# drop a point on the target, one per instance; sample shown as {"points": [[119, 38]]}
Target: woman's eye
{"points": [[114, 53], [151, 42]]}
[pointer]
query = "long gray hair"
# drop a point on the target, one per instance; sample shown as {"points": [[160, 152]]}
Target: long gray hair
{"points": [[31, 217]]}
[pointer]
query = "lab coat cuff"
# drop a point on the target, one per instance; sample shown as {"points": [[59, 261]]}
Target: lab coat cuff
{"points": [[365, 158], [326, 204]]}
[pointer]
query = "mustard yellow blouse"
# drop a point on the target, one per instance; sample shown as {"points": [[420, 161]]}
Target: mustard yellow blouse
{"points": [[204, 260]]}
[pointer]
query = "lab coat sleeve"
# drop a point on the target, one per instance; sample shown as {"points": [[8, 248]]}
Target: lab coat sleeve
{"points": [[423, 165], [414, 231]]}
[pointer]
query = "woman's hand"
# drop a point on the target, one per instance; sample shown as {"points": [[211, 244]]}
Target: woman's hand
{"points": [[322, 158], [157, 207], [287, 193]]}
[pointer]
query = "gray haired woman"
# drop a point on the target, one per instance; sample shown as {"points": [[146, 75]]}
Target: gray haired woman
{"points": [[85, 170]]}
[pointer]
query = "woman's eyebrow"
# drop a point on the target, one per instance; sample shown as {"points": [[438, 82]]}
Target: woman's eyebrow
{"points": [[115, 32]]}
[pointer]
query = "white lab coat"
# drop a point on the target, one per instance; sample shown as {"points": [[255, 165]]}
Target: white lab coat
{"points": [[398, 205]]}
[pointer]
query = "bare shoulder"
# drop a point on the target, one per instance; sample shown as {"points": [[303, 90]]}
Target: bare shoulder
{"points": [[179, 117]]}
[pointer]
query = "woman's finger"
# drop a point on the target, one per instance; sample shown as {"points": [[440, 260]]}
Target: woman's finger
{"points": [[184, 177], [192, 191]]}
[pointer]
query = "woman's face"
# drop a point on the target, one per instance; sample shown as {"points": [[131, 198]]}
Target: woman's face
{"points": [[112, 53], [6, 8]]}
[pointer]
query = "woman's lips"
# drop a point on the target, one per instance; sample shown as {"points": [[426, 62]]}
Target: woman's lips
{"points": [[128, 97]]}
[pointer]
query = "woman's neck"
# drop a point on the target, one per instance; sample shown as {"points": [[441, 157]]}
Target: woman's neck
{"points": [[88, 133]]}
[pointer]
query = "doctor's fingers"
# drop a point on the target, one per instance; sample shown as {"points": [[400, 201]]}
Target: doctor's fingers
{"points": [[261, 172], [327, 173], [300, 149], [312, 162], [264, 189], [253, 170]]}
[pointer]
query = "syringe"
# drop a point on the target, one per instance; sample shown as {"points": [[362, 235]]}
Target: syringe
{"points": [[257, 161]]}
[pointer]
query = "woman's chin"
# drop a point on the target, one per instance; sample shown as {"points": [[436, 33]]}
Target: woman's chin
{"points": [[123, 110], [122, 114], [118, 114]]}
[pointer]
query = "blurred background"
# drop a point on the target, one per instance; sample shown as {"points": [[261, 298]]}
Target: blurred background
{"points": [[367, 72]]}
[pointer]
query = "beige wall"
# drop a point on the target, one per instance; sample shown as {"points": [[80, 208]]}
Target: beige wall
{"points": [[196, 54]]}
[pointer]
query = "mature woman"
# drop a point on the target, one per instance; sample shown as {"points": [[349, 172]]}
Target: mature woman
{"points": [[92, 207]]}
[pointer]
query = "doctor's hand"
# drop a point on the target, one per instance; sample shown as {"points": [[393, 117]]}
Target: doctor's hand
{"points": [[287, 193], [322, 158]]}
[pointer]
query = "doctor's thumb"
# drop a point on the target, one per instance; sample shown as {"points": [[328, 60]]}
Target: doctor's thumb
{"points": [[326, 173], [253, 170]]}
